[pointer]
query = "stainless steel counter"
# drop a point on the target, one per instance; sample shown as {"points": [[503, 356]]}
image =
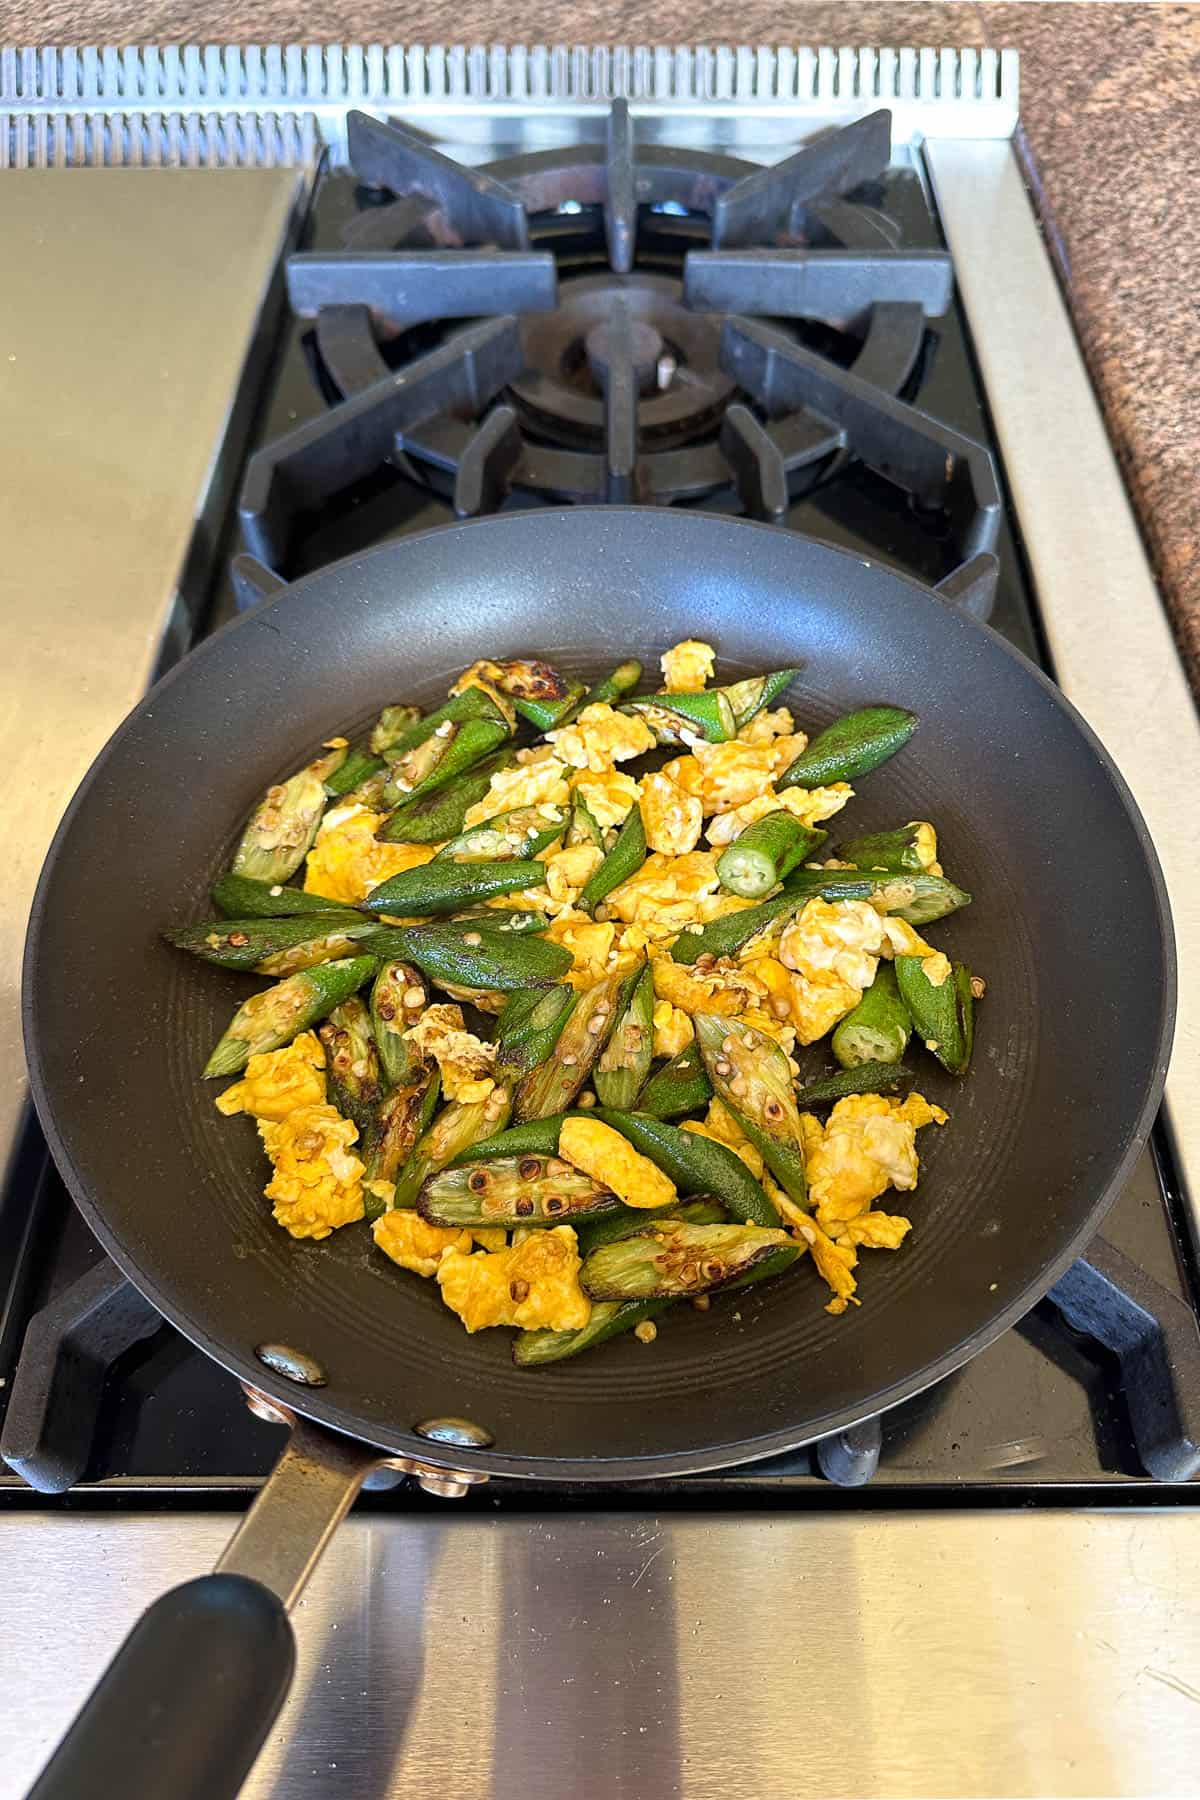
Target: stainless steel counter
{"points": [[629, 1657]]}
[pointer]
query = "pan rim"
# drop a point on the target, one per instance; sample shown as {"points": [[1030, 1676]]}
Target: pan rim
{"points": [[310, 1402]]}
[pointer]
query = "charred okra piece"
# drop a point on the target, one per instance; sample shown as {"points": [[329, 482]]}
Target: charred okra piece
{"points": [[393, 724], [271, 1019], [551, 1087], [760, 857], [613, 688], [511, 836], [237, 897], [352, 1060], [680, 1086], [670, 1260], [749, 698], [625, 1064], [455, 1129], [398, 999], [365, 761], [513, 1190], [434, 817], [530, 1026], [628, 1220], [490, 961], [850, 747], [674, 718], [750, 1073], [272, 946], [696, 1164], [437, 887], [623, 860], [943, 1014], [284, 823], [399, 1123], [610, 1318], [863, 1078], [878, 1029], [538, 692], [909, 850]]}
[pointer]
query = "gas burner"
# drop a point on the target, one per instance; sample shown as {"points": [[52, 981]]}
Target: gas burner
{"points": [[614, 324], [569, 355]]}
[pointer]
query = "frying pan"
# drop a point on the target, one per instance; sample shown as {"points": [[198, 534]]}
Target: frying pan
{"points": [[1069, 925]]}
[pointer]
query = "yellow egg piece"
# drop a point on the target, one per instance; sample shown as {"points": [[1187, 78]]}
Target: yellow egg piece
{"points": [[278, 1081], [347, 860], [533, 1284], [317, 1183], [607, 1157]]}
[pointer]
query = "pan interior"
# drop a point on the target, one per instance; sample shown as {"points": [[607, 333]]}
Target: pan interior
{"points": [[1068, 928]]}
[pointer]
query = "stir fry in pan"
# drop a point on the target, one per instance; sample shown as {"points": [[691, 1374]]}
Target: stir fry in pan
{"points": [[542, 964]]}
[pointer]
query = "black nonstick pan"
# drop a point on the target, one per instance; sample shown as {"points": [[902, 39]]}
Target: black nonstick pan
{"points": [[1069, 926]]}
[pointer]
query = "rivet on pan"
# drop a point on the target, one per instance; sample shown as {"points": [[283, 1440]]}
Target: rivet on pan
{"points": [[263, 1407], [293, 1365], [460, 1432]]}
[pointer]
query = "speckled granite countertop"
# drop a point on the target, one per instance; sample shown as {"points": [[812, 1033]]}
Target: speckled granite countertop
{"points": [[1107, 93]]}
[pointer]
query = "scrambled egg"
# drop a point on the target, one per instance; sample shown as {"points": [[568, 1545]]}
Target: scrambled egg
{"points": [[347, 861], [809, 805], [727, 988], [611, 1159], [278, 1081], [541, 780], [533, 1284], [600, 737], [673, 1030], [665, 893], [673, 818], [317, 1183], [465, 1061], [590, 943], [832, 951], [688, 667], [723, 776], [414, 1244], [609, 795], [765, 726], [868, 1145], [834, 1263]]}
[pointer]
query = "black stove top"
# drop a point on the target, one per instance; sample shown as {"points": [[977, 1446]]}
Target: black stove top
{"points": [[675, 328]]}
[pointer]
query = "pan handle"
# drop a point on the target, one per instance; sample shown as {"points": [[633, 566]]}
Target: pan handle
{"points": [[183, 1708]]}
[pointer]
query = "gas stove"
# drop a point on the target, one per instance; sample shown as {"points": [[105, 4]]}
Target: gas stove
{"points": [[792, 290]]}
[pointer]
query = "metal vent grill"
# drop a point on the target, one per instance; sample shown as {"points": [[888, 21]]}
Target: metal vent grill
{"points": [[240, 105]]}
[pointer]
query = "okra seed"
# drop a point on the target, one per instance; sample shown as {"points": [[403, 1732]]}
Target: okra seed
{"points": [[554, 1204], [529, 1168], [780, 1007], [701, 1302], [723, 1068], [773, 1110], [569, 1062], [712, 1271], [413, 996], [473, 939], [238, 938], [596, 1026], [739, 1085], [729, 1044], [477, 1181], [524, 1207], [646, 1332], [978, 986], [586, 1099], [519, 1290]]}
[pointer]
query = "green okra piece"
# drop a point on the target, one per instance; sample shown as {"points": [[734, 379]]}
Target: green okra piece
{"points": [[537, 1137], [670, 1260], [548, 715], [751, 1075], [361, 766], [519, 834], [863, 1078], [623, 860], [607, 692], [551, 1087], [453, 750], [610, 1318], [628, 1220], [721, 937], [760, 857], [400, 1121], [398, 998], [851, 746], [238, 897], [673, 718], [437, 887], [272, 1018], [441, 814], [921, 899], [489, 961], [943, 1016], [283, 825], [695, 1164], [391, 727], [352, 1061], [584, 827], [503, 920], [680, 1086], [537, 690], [456, 1128], [750, 697], [513, 1190], [313, 937], [625, 1062], [530, 1026], [472, 703], [908, 850], [879, 1027]]}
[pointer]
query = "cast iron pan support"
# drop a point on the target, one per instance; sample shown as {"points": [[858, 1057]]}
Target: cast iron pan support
{"points": [[185, 1705]]}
